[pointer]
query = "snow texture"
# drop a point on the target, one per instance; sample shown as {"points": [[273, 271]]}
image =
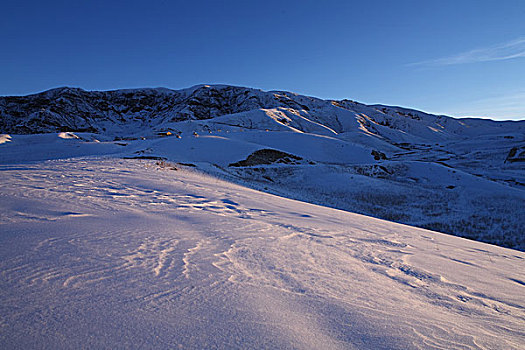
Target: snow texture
{"points": [[113, 253]]}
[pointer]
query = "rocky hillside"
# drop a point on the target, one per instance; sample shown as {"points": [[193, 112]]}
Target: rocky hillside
{"points": [[143, 110], [72, 109]]}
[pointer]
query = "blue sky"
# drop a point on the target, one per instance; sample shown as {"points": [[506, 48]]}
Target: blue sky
{"points": [[461, 58]]}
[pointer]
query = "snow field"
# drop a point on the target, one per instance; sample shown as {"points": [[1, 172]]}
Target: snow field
{"points": [[113, 253]]}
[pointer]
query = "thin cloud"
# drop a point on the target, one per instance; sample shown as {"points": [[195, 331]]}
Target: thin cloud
{"points": [[506, 51], [510, 106]]}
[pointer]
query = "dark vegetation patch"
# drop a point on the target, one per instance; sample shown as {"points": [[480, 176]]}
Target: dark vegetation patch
{"points": [[146, 157], [378, 171], [516, 155], [165, 165], [187, 164], [267, 156], [378, 155]]}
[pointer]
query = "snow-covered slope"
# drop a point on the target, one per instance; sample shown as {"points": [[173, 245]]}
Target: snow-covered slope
{"points": [[460, 176], [105, 253]]}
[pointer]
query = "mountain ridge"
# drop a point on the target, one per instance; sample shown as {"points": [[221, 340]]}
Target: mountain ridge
{"points": [[76, 109]]}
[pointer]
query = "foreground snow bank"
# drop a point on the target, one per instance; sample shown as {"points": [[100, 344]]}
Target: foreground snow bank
{"points": [[133, 254]]}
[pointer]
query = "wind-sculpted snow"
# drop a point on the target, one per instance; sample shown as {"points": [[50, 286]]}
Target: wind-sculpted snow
{"points": [[112, 253]]}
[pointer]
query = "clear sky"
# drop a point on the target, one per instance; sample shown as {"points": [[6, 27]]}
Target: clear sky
{"points": [[461, 57]]}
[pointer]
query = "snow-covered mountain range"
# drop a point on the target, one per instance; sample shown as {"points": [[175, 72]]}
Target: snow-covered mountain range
{"points": [[460, 176]]}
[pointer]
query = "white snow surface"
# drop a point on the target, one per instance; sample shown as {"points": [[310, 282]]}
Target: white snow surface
{"points": [[105, 253]]}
